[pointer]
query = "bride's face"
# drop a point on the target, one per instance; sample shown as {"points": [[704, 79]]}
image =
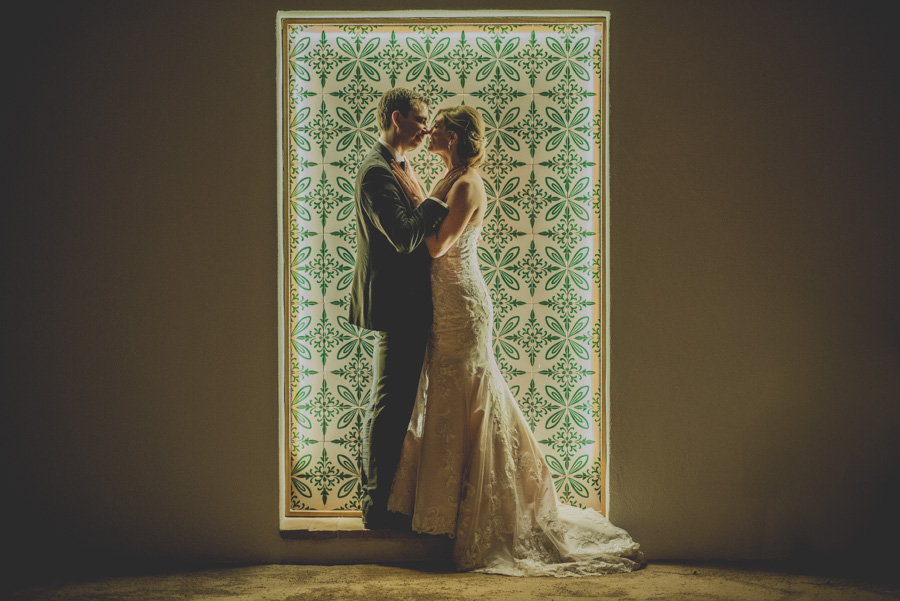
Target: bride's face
{"points": [[439, 143]]}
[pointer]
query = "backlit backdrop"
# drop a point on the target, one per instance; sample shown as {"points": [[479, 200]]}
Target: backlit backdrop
{"points": [[539, 89]]}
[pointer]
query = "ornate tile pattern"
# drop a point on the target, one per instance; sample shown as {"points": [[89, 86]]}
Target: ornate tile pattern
{"points": [[538, 88]]}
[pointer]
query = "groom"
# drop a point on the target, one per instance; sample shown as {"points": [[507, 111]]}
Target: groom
{"points": [[391, 292]]}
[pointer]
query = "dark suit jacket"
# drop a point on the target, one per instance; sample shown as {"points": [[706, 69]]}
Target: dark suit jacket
{"points": [[392, 279]]}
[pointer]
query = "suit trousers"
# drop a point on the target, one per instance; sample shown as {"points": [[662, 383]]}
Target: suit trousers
{"points": [[396, 367]]}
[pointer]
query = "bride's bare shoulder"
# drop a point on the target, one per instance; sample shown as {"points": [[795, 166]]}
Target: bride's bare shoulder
{"points": [[469, 182], [476, 182], [468, 190], [471, 179]]}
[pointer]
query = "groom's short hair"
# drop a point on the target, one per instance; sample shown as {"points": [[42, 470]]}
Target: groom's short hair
{"points": [[398, 99]]}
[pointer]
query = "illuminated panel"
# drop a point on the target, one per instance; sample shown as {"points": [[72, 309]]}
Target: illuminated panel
{"points": [[538, 88]]}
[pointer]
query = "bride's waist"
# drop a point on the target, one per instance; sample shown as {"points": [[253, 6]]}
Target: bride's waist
{"points": [[460, 303], [469, 325], [456, 275]]}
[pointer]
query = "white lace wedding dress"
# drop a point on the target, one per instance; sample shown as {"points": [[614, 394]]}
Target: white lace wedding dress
{"points": [[470, 466]]}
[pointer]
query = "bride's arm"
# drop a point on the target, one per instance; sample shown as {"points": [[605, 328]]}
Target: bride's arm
{"points": [[462, 207]]}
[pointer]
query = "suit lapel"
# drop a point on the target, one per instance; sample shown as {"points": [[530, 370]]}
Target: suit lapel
{"points": [[385, 153], [381, 151]]}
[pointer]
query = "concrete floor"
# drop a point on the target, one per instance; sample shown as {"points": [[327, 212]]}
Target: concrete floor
{"points": [[658, 581]]}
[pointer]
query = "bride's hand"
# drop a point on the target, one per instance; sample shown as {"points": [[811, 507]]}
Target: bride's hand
{"points": [[408, 182], [443, 187]]}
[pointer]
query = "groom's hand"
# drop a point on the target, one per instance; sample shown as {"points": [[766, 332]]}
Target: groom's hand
{"points": [[443, 187], [409, 183]]}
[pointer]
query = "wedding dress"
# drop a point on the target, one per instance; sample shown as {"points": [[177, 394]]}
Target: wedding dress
{"points": [[471, 468]]}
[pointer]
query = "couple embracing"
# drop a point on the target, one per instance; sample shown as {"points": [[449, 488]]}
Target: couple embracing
{"points": [[446, 450]]}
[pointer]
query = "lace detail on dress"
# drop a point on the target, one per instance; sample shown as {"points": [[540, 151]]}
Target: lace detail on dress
{"points": [[470, 466]]}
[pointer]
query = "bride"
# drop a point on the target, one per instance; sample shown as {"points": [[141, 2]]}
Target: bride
{"points": [[470, 467]]}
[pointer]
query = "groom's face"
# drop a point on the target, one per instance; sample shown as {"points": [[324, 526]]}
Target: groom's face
{"points": [[413, 127]]}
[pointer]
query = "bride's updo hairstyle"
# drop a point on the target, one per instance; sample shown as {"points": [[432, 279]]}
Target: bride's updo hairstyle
{"points": [[466, 123]]}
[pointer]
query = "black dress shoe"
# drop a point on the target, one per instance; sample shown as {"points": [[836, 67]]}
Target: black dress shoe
{"points": [[374, 524], [401, 521], [388, 521]]}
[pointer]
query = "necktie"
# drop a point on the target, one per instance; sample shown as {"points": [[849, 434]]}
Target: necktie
{"points": [[402, 164]]}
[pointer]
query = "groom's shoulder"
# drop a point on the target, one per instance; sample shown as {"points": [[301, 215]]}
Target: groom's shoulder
{"points": [[373, 161]]}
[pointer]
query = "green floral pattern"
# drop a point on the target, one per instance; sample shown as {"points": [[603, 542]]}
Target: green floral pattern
{"points": [[538, 89]]}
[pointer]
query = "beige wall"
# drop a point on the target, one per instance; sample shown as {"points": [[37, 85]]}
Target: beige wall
{"points": [[755, 293]]}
